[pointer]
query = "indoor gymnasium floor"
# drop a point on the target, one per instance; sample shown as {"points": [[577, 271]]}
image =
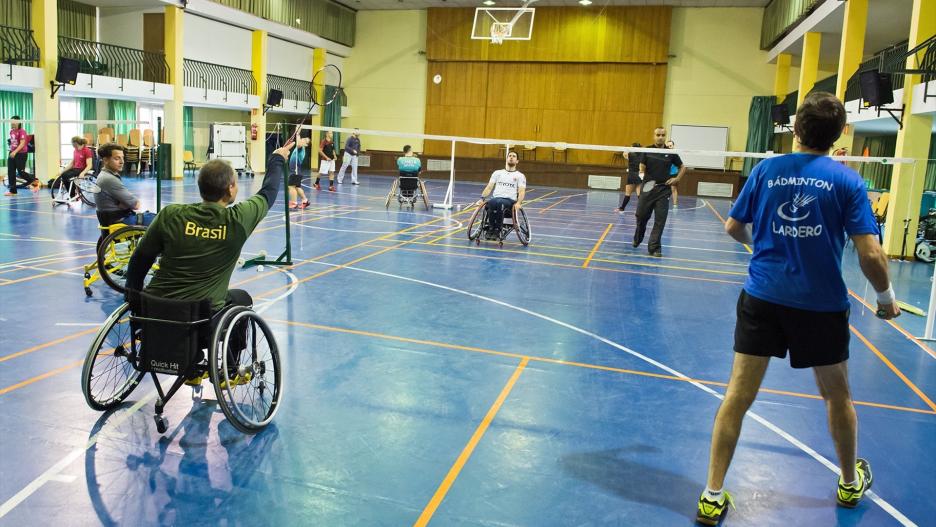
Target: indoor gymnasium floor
{"points": [[571, 382]]}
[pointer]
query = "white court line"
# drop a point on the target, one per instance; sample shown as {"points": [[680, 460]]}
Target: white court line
{"points": [[78, 324], [890, 509], [54, 472]]}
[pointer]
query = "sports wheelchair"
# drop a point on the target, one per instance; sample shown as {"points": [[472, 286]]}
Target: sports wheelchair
{"points": [[408, 189], [114, 248], [155, 335], [479, 227], [76, 189]]}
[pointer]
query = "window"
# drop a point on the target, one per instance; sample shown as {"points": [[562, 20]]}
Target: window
{"points": [[149, 114], [69, 110]]}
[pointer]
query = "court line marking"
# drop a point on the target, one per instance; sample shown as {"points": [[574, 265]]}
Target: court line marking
{"points": [[576, 364], [896, 326], [466, 452], [591, 255], [561, 200], [881, 502], [746, 246], [893, 368]]}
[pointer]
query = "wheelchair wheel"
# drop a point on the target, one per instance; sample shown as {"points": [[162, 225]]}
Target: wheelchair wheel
{"points": [[476, 223], [114, 255], [245, 368], [425, 194], [59, 191], [87, 188], [522, 227], [392, 193], [109, 373]]}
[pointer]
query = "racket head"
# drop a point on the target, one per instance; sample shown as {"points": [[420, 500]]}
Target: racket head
{"points": [[320, 81], [648, 185]]}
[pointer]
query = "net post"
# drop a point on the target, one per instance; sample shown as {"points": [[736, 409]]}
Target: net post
{"points": [[450, 191], [155, 158], [931, 311]]}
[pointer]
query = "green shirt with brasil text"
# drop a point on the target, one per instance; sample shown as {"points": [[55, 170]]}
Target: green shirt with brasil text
{"points": [[199, 245]]}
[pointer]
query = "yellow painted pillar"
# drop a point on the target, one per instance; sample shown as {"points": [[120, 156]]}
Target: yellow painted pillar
{"points": [[47, 135], [257, 117], [173, 109], [809, 65], [782, 76], [912, 141], [319, 60], [850, 54]]}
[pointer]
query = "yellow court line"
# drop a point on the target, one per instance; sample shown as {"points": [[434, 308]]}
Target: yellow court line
{"points": [[37, 378], [894, 369], [309, 220], [43, 275], [636, 255], [896, 326], [466, 452], [723, 221], [597, 245], [47, 344], [446, 345], [562, 200]]}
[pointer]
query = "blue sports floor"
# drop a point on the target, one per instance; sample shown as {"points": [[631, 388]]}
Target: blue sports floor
{"points": [[428, 380]]}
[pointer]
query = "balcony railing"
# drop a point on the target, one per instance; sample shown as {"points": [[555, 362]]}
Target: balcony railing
{"points": [[115, 61], [220, 78], [884, 60], [293, 89], [17, 46]]}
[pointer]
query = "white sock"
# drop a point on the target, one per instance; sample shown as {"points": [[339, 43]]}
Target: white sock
{"points": [[853, 484], [714, 494]]}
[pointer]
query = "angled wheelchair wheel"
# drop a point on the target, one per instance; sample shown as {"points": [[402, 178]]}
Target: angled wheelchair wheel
{"points": [[114, 255], [522, 227], [245, 368], [476, 223], [59, 191], [109, 373], [425, 194], [392, 193], [87, 188]]}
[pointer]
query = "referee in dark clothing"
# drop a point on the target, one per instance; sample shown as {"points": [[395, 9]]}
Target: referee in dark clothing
{"points": [[656, 168]]}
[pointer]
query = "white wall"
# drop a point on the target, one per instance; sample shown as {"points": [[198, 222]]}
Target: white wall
{"points": [[210, 41], [122, 26], [289, 60]]}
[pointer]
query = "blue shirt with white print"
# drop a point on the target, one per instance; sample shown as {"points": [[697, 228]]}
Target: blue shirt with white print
{"points": [[801, 207]]}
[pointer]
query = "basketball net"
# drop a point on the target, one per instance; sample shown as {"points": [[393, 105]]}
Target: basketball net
{"points": [[499, 31]]}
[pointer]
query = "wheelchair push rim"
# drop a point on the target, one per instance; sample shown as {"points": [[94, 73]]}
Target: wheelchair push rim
{"points": [[522, 228], [476, 223], [109, 374], [250, 397], [114, 255]]}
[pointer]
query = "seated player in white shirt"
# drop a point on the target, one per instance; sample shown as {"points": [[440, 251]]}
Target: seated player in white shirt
{"points": [[509, 189]]}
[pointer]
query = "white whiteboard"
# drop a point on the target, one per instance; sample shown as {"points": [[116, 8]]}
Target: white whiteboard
{"points": [[692, 137]]}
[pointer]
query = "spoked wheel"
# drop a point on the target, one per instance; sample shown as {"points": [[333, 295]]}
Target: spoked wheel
{"points": [[390, 194], [425, 194], [59, 192], [245, 368], [109, 374], [87, 188], [114, 255], [476, 224], [925, 252], [522, 227]]}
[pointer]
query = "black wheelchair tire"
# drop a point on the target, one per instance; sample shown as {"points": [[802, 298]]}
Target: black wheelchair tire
{"points": [[106, 275], [87, 378], [477, 217], [522, 228]]}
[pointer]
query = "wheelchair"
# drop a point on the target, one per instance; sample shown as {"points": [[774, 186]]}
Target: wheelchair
{"points": [[408, 189], [116, 245], [479, 227], [77, 189], [155, 335]]}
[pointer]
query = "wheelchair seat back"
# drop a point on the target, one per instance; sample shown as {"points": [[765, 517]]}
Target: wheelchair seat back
{"points": [[409, 183], [173, 332]]}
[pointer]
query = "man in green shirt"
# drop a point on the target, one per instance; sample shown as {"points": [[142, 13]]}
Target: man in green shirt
{"points": [[199, 243]]}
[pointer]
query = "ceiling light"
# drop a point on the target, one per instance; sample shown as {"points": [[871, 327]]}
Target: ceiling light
{"points": [[488, 2], [585, 2]]}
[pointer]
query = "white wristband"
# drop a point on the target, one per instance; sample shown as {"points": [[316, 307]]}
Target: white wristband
{"points": [[886, 297]]}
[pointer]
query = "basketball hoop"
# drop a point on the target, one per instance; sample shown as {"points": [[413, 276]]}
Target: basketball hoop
{"points": [[500, 31]]}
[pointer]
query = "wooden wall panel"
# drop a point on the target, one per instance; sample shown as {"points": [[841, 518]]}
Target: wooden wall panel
{"points": [[560, 34]]}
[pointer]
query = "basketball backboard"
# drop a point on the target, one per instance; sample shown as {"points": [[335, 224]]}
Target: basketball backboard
{"points": [[502, 23]]}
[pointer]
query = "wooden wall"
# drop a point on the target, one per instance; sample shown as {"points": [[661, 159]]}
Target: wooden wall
{"points": [[583, 78]]}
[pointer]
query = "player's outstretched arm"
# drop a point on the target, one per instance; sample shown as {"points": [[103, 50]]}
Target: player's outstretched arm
{"points": [[275, 168]]}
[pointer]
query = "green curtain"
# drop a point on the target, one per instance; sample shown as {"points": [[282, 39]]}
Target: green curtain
{"points": [[760, 130], [16, 13], [188, 130], [877, 175], [326, 18], [87, 108], [121, 111], [13, 103], [780, 16], [76, 20], [332, 116]]}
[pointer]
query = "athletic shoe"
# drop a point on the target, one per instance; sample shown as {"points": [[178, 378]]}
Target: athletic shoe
{"points": [[9, 193], [711, 512], [355, 183], [317, 186], [304, 204], [331, 188], [292, 205], [656, 254], [848, 496]]}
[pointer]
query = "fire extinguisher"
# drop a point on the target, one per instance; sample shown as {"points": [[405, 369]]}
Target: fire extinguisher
{"points": [[253, 131]]}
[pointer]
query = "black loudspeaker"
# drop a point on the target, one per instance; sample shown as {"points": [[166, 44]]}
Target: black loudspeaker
{"points": [[780, 113], [876, 89], [67, 71], [274, 97]]}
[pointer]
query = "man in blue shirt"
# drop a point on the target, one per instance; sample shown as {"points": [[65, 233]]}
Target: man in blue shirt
{"points": [[796, 211]]}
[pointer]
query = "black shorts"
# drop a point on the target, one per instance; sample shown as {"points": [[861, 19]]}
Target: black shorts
{"points": [[814, 338], [633, 179], [295, 180]]}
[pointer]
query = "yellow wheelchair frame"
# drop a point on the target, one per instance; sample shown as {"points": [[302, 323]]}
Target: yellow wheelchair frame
{"points": [[118, 241]]}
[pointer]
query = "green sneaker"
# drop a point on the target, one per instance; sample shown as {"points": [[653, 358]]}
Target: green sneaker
{"points": [[848, 496], [711, 512]]}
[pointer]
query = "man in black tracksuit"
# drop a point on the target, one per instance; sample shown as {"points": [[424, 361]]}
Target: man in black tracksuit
{"points": [[656, 168]]}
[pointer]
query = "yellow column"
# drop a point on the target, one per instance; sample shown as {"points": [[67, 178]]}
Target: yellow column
{"points": [[913, 142], [175, 134], [782, 76], [851, 50], [257, 117], [319, 59], [45, 31], [809, 65]]}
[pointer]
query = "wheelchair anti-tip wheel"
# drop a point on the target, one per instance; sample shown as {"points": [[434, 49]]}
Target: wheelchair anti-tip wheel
{"points": [[245, 368], [114, 253], [109, 375], [522, 227], [476, 224]]}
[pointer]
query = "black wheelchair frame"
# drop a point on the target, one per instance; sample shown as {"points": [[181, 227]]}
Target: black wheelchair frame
{"points": [[408, 188], [478, 227]]}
